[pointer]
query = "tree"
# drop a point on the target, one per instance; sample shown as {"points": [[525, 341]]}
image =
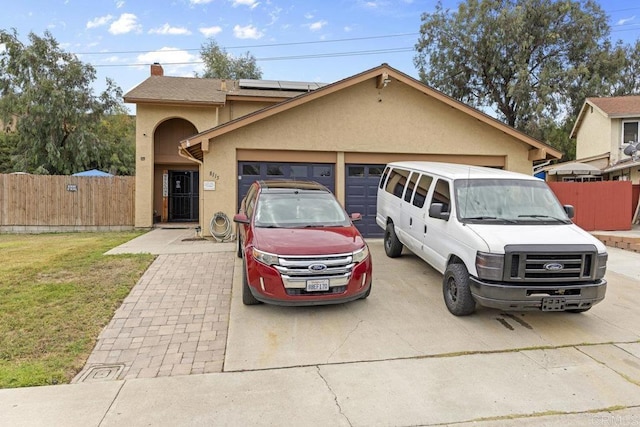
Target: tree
{"points": [[58, 117], [219, 64], [528, 60]]}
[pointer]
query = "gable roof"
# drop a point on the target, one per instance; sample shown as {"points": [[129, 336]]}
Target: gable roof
{"points": [[199, 143], [198, 91], [614, 107]]}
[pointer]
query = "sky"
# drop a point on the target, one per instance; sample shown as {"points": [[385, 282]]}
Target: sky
{"points": [[311, 41]]}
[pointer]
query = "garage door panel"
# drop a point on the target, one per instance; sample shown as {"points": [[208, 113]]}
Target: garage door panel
{"points": [[361, 184]]}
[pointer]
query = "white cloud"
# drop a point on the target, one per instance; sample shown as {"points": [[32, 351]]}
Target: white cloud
{"points": [[167, 29], [247, 32], [200, 1], [174, 61], [316, 26], [625, 20], [99, 21], [127, 23], [251, 3], [119, 4], [347, 29], [308, 15], [210, 31]]}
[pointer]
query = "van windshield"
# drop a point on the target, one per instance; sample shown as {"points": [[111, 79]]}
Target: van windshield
{"points": [[507, 200]]}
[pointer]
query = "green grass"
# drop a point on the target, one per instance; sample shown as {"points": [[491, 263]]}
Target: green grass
{"points": [[57, 292]]}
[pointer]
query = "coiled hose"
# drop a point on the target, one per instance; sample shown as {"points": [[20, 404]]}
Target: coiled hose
{"points": [[220, 227]]}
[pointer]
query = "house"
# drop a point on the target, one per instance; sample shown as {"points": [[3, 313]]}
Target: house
{"points": [[201, 142], [603, 129]]}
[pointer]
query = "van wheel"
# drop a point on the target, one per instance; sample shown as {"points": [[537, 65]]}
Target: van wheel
{"points": [[457, 294], [392, 246], [247, 296]]}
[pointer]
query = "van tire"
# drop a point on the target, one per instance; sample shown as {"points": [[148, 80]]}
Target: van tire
{"points": [[392, 246], [456, 290], [247, 296]]}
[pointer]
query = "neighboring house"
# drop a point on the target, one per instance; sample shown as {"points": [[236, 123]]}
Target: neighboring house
{"points": [[221, 136], [603, 129]]}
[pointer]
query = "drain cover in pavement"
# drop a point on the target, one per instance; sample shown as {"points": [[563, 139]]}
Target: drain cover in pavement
{"points": [[101, 373]]}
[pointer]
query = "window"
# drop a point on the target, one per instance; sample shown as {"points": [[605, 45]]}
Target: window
{"points": [[410, 187], [629, 131], [321, 171], [251, 169], [383, 179], [442, 194], [397, 180], [422, 190], [274, 170]]}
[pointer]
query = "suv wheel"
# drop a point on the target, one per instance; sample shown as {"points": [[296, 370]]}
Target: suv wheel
{"points": [[457, 294], [247, 296], [392, 246]]}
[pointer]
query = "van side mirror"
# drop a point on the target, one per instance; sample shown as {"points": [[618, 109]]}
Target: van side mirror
{"points": [[570, 210], [435, 211]]}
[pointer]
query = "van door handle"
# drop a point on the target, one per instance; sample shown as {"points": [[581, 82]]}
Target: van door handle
{"points": [[425, 229], [410, 221]]}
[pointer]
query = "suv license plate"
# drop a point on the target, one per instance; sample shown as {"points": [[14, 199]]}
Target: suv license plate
{"points": [[317, 285], [553, 303]]}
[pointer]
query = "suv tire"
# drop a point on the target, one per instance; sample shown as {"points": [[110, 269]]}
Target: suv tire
{"points": [[247, 296]]}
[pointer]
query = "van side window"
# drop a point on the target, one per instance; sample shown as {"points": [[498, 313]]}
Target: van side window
{"points": [[441, 194], [396, 182], [384, 177], [421, 190], [410, 187]]}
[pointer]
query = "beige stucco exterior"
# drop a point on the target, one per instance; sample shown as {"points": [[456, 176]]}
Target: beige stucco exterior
{"points": [[375, 117], [598, 135]]}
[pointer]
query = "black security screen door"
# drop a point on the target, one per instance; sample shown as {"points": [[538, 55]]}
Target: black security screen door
{"points": [[183, 195]]}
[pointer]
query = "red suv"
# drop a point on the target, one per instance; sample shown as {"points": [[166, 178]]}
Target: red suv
{"points": [[299, 247]]}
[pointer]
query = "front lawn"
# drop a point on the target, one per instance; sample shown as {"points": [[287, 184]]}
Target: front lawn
{"points": [[57, 292]]}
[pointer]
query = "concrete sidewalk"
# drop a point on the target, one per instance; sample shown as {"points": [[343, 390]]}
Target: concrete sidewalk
{"points": [[163, 335]]}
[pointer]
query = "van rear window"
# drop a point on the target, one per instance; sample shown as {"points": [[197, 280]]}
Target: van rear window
{"points": [[396, 182]]}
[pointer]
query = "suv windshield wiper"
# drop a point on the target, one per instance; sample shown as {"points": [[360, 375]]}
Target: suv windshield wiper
{"points": [[544, 217]]}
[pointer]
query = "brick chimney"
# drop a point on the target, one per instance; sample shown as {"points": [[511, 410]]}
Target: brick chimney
{"points": [[156, 69]]}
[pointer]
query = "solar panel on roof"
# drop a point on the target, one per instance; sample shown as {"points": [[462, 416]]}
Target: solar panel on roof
{"points": [[278, 85]]}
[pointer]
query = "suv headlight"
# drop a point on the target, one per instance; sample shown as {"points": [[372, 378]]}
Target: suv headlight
{"points": [[265, 257], [361, 255], [489, 266]]}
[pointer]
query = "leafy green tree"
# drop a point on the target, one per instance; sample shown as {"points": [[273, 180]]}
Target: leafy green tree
{"points": [[219, 64], [527, 60], [117, 148], [58, 116]]}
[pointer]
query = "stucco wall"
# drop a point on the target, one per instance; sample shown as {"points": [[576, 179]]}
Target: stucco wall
{"points": [[358, 119], [594, 135]]}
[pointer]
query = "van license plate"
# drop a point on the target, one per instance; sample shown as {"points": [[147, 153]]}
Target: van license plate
{"points": [[553, 304], [317, 285]]}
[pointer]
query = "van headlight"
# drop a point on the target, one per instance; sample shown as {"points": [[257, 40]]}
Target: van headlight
{"points": [[265, 257], [601, 267], [489, 266], [361, 255]]}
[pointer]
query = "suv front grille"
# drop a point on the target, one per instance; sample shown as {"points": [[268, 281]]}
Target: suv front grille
{"points": [[296, 270], [566, 263]]}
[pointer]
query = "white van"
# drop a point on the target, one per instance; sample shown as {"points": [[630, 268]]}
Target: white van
{"points": [[500, 238]]}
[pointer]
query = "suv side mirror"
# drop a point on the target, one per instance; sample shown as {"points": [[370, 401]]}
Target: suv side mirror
{"points": [[435, 211], [241, 218], [356, 216], [570, 210]]}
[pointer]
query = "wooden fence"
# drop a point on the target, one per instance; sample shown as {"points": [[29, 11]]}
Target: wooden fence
{"points": [[604, 205], [44, 203]]}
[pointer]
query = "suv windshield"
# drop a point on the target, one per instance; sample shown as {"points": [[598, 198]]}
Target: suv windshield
{"points": [[299, 209], [508, 201]]}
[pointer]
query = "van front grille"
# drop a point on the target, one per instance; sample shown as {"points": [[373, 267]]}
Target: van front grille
{"points": [[535, 263]]}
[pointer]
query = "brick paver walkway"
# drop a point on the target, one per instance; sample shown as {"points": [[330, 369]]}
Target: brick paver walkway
{"points": [[174, 321]]}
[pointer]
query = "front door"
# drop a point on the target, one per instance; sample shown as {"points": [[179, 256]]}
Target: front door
{"points": [[183, 195]]}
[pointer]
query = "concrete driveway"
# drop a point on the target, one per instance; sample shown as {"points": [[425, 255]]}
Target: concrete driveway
{"points": [[405, 317]]}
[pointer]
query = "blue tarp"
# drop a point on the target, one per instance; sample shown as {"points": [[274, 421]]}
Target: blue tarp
{"points": [[92, 172]]}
